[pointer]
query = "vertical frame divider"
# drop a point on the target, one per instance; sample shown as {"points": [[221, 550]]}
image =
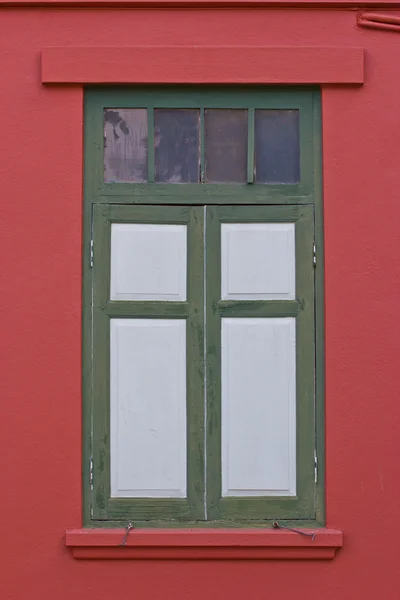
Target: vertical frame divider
{"points": [[100, 363], [202, 148], [213, 361], [150, 144], [250, 145], [195, 364], [319, 313]]}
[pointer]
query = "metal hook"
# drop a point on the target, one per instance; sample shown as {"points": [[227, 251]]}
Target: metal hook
{"points": [[277, 525], [128, 528]]}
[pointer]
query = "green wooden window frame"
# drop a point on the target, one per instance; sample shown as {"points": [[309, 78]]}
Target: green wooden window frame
{"points": [[199, 193], [202, 207]]}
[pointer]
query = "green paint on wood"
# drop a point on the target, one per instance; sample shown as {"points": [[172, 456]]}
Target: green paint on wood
{"points": [[104, 506], [202, 152], [195, 193], [319, 313], [250, 145], [150, 145], [259, 508], [207, 97], [168, 203]]}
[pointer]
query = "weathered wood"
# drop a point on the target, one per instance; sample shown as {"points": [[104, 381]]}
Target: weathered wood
{"points": [[112, 202]]}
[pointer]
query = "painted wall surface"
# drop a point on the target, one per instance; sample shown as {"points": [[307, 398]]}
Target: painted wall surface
{"points": [[40, 377]]}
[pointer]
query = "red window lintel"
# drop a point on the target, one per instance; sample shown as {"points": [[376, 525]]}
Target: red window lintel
{"points": [[203, 65]]}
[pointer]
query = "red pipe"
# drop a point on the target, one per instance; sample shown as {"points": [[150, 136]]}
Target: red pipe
{"points": [[379, 21]]}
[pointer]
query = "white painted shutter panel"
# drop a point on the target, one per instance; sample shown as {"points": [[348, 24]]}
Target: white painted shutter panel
{"points": [[148, 365], [258, 363]]}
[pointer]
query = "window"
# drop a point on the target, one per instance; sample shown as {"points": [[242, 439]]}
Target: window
{"points": [[203, 339]]}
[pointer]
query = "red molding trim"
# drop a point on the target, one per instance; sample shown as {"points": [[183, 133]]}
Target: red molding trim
{"points": [[195, 544], [379, 21], [199, 64], [143, 4]]}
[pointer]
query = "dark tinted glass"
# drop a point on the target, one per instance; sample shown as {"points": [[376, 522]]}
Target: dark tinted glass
{"points": [[125, 144], [225, 132], [176, 141], [277, 149]]}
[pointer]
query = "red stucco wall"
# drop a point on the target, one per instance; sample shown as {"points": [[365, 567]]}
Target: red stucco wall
{"points": [[40, 246]]}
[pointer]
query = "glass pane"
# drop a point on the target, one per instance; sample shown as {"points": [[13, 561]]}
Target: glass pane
{"points": [[176, 145], [225, 132], [125, 144], [277, 151]]}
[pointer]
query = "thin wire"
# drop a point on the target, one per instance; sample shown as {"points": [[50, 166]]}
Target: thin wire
{"points": [[310, 534]]}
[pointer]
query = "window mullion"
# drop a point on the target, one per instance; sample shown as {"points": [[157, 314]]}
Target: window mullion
{"points": [[250, 146], [150, 144], [202, 148]]}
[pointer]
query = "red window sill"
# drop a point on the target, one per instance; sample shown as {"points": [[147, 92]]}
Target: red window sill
{"points": [[202, 544]]}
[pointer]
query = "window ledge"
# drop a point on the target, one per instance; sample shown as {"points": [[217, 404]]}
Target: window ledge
{"points": [[203, 544]]}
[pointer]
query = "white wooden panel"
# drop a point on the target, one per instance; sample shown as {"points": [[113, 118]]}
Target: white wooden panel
{"points": [[148, 408], [258, 261], [148, 262], [258, 407]]}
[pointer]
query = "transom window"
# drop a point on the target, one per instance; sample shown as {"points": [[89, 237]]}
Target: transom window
{"points": [[203, 319], [211, 145]]}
